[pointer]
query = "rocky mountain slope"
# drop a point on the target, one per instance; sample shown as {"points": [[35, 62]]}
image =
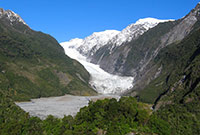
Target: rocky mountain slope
{"points": [[87, 51], [135, 58], [90, 45], [175, 92], [33, 64], [130, 52], [141, 61], [165, 63], [133, 31], [11, 16]]}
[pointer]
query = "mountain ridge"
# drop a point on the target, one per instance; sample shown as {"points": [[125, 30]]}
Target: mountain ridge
{"points": [[10, 15], [34, 65], [91, 44]]}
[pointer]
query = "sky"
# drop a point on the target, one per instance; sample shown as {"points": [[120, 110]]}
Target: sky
{"points": [[67, 19]]}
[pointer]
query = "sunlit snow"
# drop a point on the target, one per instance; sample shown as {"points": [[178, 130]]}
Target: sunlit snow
{"points": [[102, 81]]}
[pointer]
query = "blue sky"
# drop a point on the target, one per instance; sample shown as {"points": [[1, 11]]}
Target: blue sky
{"points": [[67, 19]]}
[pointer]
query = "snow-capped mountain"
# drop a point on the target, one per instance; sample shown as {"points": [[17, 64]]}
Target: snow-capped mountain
{"points": [[84, 50], [134, 30], [11, 16], [92, 43], [74, 43]]}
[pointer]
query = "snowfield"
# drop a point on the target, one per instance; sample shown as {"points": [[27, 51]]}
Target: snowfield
{"points": [[101, 81]]}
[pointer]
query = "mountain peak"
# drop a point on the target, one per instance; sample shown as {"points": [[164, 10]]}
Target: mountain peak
{"points": [[92, 43], [197, 8], [10, 15], [89, 45], [107, 32], [134, 30], [150, 20]]}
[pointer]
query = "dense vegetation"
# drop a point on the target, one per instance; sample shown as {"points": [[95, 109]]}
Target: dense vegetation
{"points": [[108, 116], [176, 92], [33, 64]]}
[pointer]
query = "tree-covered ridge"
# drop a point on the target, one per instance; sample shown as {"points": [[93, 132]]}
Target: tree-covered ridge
{"points": [[181, 103], [113, 117], [108, 116], [33, 64], [180, 68], [175, 93], [175, 62]]}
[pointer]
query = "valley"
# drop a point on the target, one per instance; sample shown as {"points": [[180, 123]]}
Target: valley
{"points": [[103, 82], [144, 79]]}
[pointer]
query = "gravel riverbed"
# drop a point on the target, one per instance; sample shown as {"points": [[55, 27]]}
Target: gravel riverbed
{"points": [[59, 106]]}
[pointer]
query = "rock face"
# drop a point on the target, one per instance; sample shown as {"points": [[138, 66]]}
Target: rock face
{"points": [[100, 44], [132, 51], [133, 31], [135, 58], [112, 56], [11, 16], [147, 68]]}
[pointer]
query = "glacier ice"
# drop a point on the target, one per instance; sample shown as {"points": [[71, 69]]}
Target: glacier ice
{"points": [[101, 81], [83, 49]]}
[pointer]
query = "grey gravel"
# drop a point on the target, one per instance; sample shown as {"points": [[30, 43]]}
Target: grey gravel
{"points": [[59, 106]]}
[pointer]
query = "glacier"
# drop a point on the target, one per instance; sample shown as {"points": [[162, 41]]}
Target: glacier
{"points": [[101, 81], [83, 50]]}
